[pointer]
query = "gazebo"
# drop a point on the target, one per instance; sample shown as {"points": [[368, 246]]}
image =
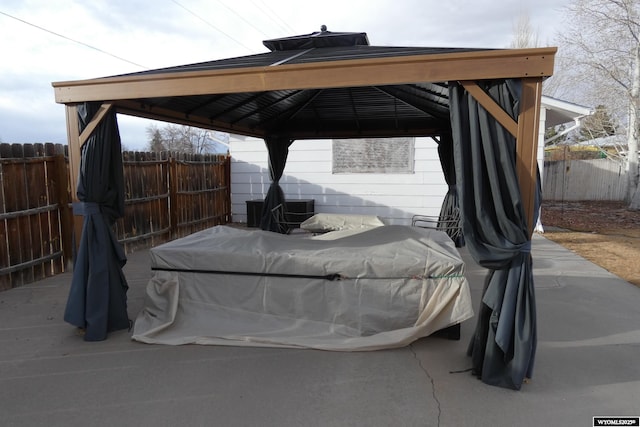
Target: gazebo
{"points": [[482, 105]]}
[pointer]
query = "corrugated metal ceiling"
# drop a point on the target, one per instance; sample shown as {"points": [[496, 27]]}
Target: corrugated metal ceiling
{"points": [[412, 109]]}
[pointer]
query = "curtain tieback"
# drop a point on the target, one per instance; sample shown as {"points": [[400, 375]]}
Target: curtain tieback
{"points": [[86, 208], [526, 247]]}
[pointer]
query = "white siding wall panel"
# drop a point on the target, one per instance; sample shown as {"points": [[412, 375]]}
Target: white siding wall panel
{"points": [[393, 197]]}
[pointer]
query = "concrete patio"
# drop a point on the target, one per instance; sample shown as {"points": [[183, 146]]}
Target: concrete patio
{"points": [[587, 365]]}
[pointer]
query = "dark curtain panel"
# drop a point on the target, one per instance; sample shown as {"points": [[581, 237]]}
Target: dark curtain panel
{"points": [[450, 205], [97, 299], [278, 148], [495, 230]]}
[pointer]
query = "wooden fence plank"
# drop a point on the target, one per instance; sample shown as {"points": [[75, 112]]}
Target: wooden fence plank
{"points": [[61, 221], [35, 193], [15, 202], [5, 280]]}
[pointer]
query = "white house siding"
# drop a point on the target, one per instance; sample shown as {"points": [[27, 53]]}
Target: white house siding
{"points": [[395, 198], [541, 129]]}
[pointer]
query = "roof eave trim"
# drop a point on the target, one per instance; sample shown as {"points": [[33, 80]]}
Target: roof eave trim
{"points": [[476, 65]]}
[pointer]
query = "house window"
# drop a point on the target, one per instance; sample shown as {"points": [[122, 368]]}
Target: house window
{"points": [[373, 155]]}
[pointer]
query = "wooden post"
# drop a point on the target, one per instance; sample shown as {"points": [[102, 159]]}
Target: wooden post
{"points": [[527, 145], [73, 137]]}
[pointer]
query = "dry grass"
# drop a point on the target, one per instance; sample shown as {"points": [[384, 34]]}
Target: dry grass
{"points": [[605, 233]]}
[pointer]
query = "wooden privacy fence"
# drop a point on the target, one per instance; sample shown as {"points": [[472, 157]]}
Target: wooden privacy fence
{"points": [[572, 180], [170, 195], [34, 212], [167, 195]]}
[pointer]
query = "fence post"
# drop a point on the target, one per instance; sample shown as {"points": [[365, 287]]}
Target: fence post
{"points": [[227, 177], [66, 221], [173, 199], [5, 226]]}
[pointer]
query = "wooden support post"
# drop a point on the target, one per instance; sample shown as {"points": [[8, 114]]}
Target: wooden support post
{"points": [[527, 145], [73, 137]]}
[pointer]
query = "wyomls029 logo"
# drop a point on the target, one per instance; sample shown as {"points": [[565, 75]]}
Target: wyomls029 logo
{"points": [[616, 421]]}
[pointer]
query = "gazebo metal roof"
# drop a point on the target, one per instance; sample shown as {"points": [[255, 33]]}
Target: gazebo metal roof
{"points": [[319, 85]]}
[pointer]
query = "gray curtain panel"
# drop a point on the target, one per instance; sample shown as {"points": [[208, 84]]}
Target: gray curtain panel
{"points": [[451, 202], [278, 148], [496, 234], [97, 300]]}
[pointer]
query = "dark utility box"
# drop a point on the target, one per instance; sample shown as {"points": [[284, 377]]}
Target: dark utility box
{"points": [[296, 211]]}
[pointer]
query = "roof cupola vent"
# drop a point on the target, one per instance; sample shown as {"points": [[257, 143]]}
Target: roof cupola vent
{"points": [[317, 39]]}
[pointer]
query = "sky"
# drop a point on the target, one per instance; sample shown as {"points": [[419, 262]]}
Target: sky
{"points": [[45, 41]]}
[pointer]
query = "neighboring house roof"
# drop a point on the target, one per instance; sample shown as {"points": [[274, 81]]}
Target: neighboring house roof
{"points": [[561, 112]]}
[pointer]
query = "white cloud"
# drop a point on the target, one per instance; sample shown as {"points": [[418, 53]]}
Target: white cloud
{"points": [[162, 33]]}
